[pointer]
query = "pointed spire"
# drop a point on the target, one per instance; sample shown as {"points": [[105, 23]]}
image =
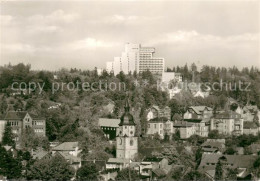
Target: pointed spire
{"points": [[127, 107]]}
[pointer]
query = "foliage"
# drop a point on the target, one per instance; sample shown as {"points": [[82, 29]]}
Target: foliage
{"points": [[55, 168], [8, 136], [219, 171], [9, 166], [127, 174], [87, 172]]}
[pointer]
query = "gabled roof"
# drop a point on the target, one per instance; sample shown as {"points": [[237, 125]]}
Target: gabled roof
{"points": [[250, 108], [66, 146], [15, 115], [199, 109], [105, 122], [238, 161], [159, 172], [228, 114], [39, 155], [118, 160], [68, 157]]}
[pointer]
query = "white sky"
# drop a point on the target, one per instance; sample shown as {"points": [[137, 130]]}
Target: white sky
{"points": [[86, 34]]}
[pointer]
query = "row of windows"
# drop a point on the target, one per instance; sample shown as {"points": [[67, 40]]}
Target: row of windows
{"points": [[40, 130], [38, 123], [14, 123]]}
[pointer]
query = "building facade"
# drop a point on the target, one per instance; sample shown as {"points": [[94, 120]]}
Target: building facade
{"points": [[20, 120], [161, 126], [136, 58], [228, 123], [159, 112]]}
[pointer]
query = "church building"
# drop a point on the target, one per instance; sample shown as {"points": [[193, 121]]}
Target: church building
{"points": [[126, 141]]}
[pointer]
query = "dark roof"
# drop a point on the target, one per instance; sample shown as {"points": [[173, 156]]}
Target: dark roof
{"points": [[15, 115], [158, 120], [182, 124], [250, 125], [227, 115], [199, 109], [152, 159], [127, 118], [159, 172], [193, 120]]}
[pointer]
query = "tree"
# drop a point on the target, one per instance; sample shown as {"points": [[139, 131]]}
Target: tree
{"points": [[219, 171], [126, 174], [214, 134], [9, 166], [88, 172], [230, 151], [195, 175], [8, 137], [55, 168]]}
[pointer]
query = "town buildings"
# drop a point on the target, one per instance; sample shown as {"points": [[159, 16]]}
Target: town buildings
{"points": [[199, 116], [20, 120], [161, 126], [109, 127], [227, 122], [136, 58], [126, 142], [159, 112], [185, 128]]}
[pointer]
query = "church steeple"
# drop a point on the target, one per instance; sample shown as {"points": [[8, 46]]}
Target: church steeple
{"points": [[127, 118]]}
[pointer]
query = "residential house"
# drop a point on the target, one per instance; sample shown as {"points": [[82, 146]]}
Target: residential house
{"points": [[250, 113], [172, 92], [213, 146], [70, 152], [241, 162], [20, 120], [161, 126], [255, 148], [158, 112], [227, 122], [185, 128], [109, 127], [71, 148]]}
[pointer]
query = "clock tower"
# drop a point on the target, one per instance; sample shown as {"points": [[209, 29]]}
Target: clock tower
{"points": [[126, 141]]}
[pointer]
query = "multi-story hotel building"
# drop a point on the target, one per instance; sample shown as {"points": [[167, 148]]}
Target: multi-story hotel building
{"points": [[136, 58]]}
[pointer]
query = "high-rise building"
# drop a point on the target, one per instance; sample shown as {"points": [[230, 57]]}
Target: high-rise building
{"points": [[136, 58]]}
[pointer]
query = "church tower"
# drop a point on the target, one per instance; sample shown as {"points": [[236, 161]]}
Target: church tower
{"points": [[126, 141]]}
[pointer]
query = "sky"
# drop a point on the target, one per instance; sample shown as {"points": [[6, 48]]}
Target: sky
{"points": [[51, 35]]}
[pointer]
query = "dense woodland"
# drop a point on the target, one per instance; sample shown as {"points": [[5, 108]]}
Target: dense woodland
{"points": [[76, 117]]}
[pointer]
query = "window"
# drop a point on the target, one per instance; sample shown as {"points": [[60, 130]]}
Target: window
{"points": [[160, 125], [148, 125], [154, 125], [131, 142]]}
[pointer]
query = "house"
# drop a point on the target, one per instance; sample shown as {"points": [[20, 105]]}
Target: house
{"points": [[172, 92], [227, 122], [213, 146], [41, 154], [250, 128], [250, 113], [74, 161], [241, 162], [161, 126], [101, 164], [72, 148], [109, 127], [154, 167], [69, 151], [185, 128], [19, 120], [158, 112], [198, 112], [171, 76], [117, 163]]}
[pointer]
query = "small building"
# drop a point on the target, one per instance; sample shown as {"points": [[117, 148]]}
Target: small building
{"points": [[228, 123], [109, 127], [158, 112], [71, 148], [161, 126], [186, 129], [213, 146]]}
